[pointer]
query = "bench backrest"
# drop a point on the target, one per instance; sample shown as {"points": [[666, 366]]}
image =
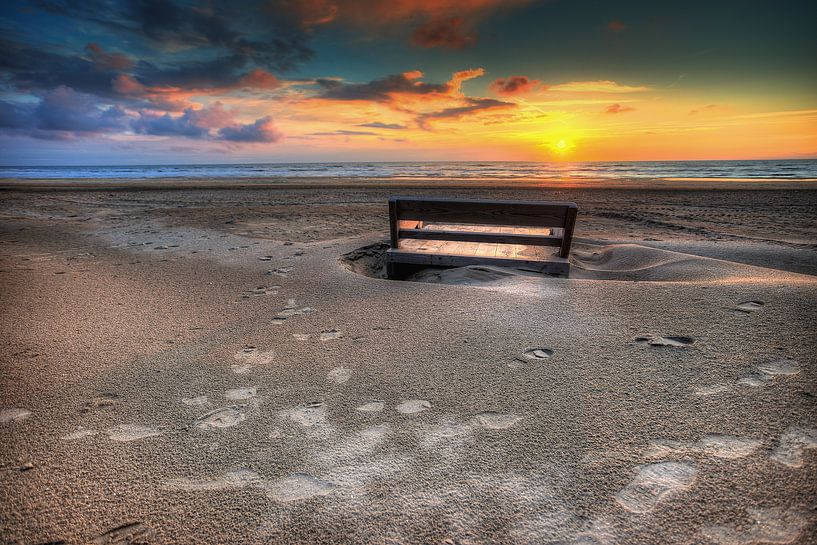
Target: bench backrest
{"points": [[406, 214]]}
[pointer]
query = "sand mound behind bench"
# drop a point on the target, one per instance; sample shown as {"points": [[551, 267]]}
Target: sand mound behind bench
{"points": [[640, 263]]}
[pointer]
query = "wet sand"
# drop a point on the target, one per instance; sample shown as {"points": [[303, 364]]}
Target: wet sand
{"points": [[203, 365]]}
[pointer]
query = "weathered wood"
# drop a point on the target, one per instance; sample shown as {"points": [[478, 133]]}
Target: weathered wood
{"points": [[567, 238], [474, 236], [519, 233], [394, 226], [557, 265], [409, 224], [512, 213]]}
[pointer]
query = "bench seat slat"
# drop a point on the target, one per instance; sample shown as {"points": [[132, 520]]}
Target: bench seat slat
{"points": [[475, 236]]}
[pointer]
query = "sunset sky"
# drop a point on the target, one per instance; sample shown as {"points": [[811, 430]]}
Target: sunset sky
{"points": [[161, 81]]}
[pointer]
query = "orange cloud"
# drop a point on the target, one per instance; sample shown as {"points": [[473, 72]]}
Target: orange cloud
{"points": [[616, 26], [514, 85], [710, 109], [618, 109], [259, 79]]}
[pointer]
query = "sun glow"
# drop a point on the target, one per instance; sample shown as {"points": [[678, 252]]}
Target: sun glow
{"points": [[561, 146]]}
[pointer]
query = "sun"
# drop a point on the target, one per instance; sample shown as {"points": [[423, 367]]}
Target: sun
{"points": [[561, 146]]}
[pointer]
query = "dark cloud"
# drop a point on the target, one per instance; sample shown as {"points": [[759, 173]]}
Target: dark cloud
{"points": [[473, 106], [29, 68], [16, 116], [379, 125], [381, 90], [64, 109], [108, 61], [218, 44], [213, 122], [193, 123], [435, 23], [215, 73], [62, 113], [448, 33], [618, 109], [270, 38], [261, 131]]}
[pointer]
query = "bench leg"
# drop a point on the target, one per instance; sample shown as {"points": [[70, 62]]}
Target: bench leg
{"points": [[391, 270]]}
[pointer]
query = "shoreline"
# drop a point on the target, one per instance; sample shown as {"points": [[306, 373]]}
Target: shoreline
{"points": [[181, 183]]}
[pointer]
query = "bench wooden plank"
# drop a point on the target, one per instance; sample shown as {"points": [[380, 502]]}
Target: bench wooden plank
{"points": [[476, 236], [486, 250], [513, 213]]}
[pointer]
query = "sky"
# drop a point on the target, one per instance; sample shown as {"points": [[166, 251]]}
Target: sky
{"points": [[103, 82]]}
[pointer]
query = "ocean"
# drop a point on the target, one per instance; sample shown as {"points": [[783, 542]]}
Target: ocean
{"points": [[782, 169]]}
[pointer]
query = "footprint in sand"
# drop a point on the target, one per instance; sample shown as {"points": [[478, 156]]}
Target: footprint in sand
{"points": [[331, 335], [765, 373], [238, 478], [675, 342], [713, 444], [654, 483], [105, 400], [79, 433], [449, 434], [290, 309], [537, 354], [531, 355], [413, 406], [198, 401], [339, 375], [241, 368], [13, 414], [773, 526], [496, 421], [124, 433], [297, 487], [134, 533], [307, 415], [261, 291], [241, 394], [712, 389], [225, 417], [283, 272], [250, 356], [371, 407], [748, 307], [790, 447]]}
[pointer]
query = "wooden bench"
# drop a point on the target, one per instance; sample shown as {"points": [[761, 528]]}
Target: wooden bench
{"points": [[461, 232]]}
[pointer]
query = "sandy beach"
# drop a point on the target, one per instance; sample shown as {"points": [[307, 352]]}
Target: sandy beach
{"points": [[197, 362]]}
